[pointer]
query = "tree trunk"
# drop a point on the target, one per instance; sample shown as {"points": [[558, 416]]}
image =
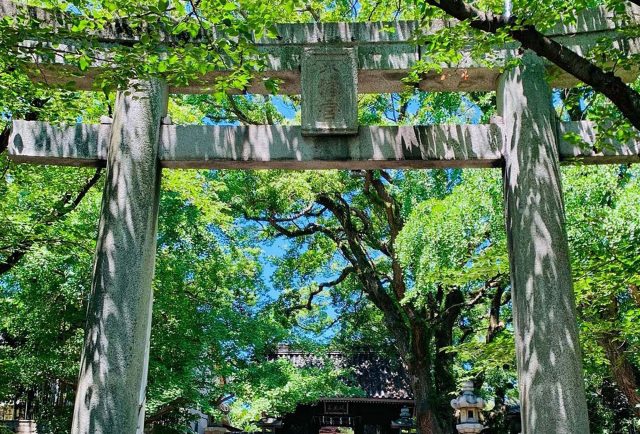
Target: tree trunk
{"points": [[444, 379], [426, 417], [622, 371], [419, 363]]}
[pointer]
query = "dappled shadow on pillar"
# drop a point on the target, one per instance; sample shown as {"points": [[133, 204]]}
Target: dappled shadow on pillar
{"points": [[111, 386], [548, 351]]}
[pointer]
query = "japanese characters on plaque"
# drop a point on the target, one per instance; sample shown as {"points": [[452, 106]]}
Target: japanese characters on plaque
{"points": [[329, 91]]}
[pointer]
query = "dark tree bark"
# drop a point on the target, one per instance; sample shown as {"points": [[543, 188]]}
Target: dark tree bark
{"points": [[621, 370], [495, 325], [444, 379], [170, 407], [426, 419], [4, 138], [622, 96]]}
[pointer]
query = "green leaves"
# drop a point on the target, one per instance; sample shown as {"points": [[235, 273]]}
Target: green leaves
{"points": [[80, 26], [447, 239], [163, 5], [276, 386], [229, 6], [198, 48], [83, 62]]}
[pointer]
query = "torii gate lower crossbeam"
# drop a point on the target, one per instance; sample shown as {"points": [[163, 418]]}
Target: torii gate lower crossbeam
{"points": [[526, 143], [284, 147]]}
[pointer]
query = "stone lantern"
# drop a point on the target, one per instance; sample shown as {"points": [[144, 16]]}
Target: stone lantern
{"points": [[468, 408], [405, 424], [269, 424]]}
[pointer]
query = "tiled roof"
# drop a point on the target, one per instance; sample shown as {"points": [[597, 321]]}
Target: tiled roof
{"points": [[377, 375]]}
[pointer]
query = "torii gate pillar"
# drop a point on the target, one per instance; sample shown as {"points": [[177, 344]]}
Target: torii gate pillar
{"points": [[548, 353], [113, 373]]}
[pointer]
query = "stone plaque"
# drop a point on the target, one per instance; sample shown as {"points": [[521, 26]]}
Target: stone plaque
{"points": [[329, 91]]}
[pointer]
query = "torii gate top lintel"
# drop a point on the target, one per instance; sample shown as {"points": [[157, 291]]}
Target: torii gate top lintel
{"points": [[329, 63], [385, 52]]}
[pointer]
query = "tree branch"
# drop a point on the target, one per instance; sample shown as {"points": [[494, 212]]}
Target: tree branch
{"points": [[493, 282], [306, 212], [310, 229], [65, 205], [622, 96], [349, 241], [495, 325], [366, 272], [308, 305], [313, 12], [239, 113], [396, 223], [169, 407]]}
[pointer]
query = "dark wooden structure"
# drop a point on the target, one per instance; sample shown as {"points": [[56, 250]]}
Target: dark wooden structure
{"points": [[384, 382]]}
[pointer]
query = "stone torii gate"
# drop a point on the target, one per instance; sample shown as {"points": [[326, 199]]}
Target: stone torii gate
{"points": [[329, 64]]}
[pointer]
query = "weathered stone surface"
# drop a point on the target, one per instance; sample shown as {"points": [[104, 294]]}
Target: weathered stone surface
{"points": [[594, 20], [598, 19], [329, 81], [548, 355], [609, 152], [374, 147], [113, 371], [385, 57], [274, 146], [67, 145]]}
